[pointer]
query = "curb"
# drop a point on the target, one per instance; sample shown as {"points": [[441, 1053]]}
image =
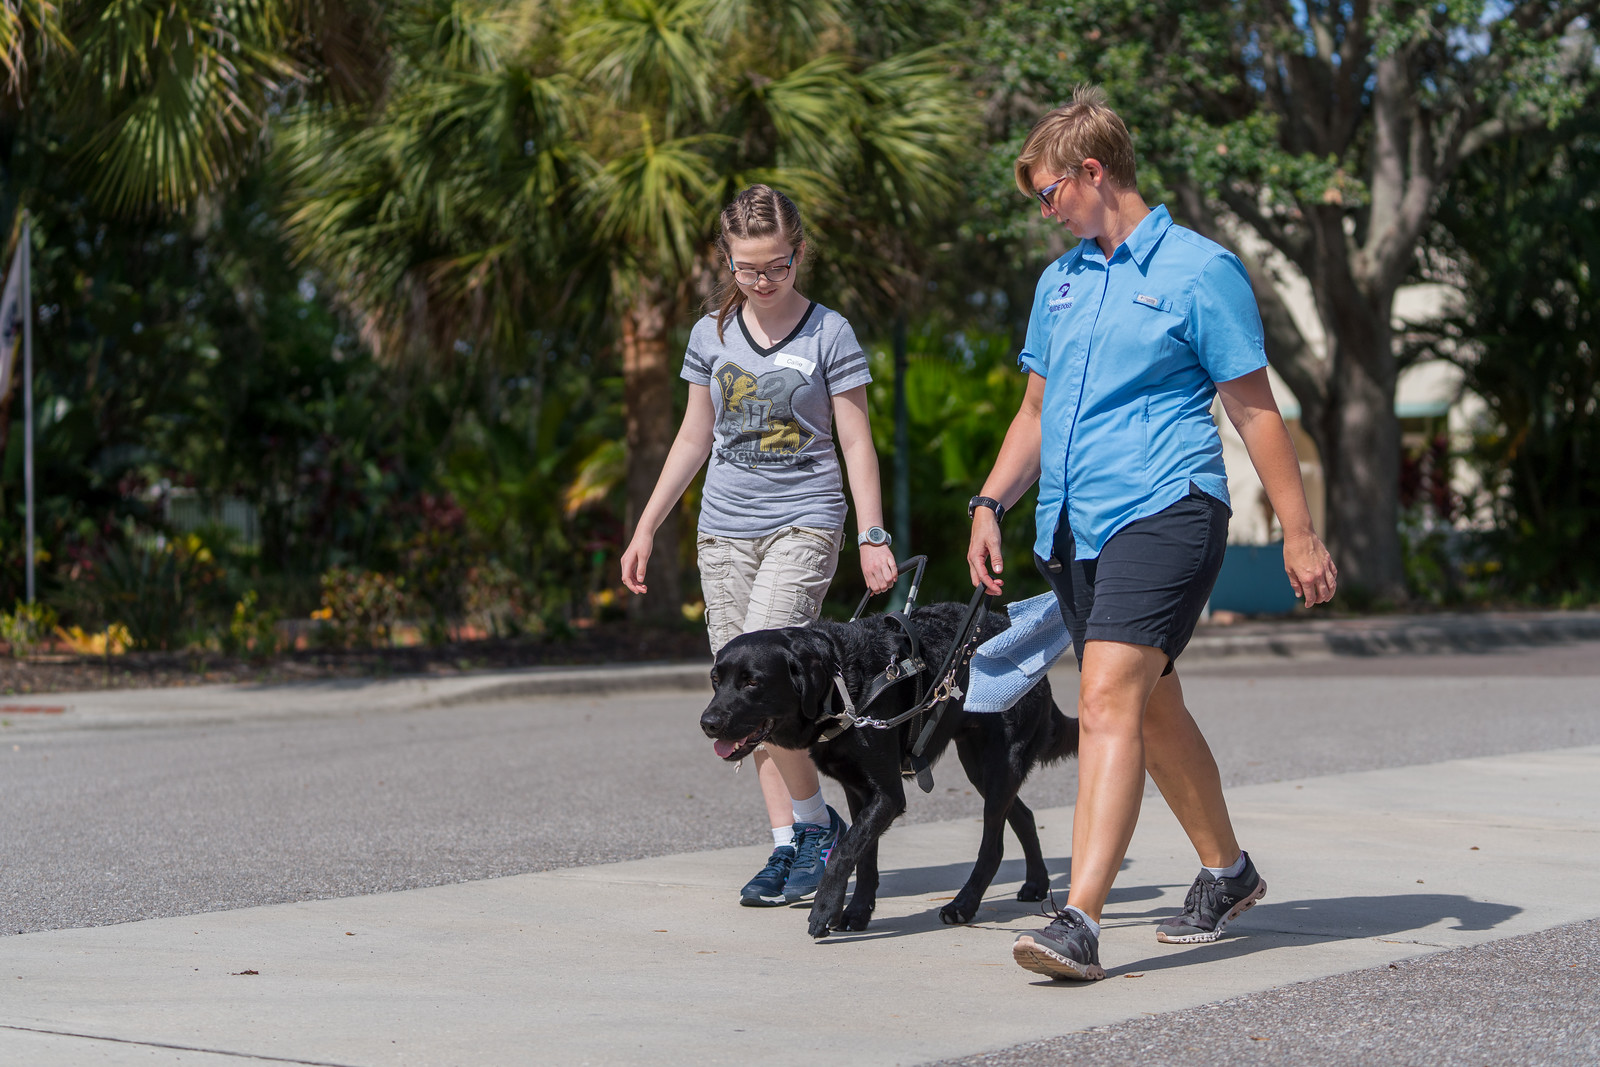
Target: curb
{"points": [[577, 681], [1411, 635], [1403, 635]]}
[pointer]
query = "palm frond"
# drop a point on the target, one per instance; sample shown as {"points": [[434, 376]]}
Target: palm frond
{"points": [[28, 28], [646, 52], [652, 199], [179, 94], [915, 121]]}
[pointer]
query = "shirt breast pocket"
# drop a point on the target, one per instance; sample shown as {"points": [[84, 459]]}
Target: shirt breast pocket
{"points": [[1157, 323]]}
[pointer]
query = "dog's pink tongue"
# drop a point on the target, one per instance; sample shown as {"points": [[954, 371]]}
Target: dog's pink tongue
{"points": [[724, 749]]}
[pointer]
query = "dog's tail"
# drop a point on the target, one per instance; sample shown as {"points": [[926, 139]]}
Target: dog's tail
{"points": [[1063, 736]]}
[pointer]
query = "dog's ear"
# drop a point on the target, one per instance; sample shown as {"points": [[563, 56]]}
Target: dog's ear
{"points": [[813, 682]]}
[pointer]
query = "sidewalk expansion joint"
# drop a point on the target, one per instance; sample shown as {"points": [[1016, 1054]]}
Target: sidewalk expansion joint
{"points": [[178, 1048]]}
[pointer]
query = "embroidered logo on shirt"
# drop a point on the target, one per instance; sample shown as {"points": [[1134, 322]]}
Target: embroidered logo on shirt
{"points": [[1061, 302], [1147, 300]]}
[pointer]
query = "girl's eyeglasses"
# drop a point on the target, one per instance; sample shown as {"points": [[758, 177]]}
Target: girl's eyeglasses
{"points": [[771, 274]]}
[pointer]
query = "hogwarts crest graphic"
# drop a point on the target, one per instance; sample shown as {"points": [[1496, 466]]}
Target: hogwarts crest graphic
{"points": [[757, 424]]}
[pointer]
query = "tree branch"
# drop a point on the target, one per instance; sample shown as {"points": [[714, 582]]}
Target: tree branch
{"points": [[1288, 350], [1295, 250]]}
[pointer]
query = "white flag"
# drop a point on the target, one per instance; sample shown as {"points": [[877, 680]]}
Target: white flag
{"points": [[11, 315]]}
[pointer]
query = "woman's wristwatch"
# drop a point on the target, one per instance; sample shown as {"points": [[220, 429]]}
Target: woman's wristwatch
{"points": [[874, 535], [989, 502]]}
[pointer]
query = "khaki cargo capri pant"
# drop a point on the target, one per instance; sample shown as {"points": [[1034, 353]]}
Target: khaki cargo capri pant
{"points": [[765, 582]]}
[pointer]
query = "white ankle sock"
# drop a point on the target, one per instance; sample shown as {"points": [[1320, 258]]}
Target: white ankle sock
{"points": [[813, 810], [1229, 872], [782, 835], [1094, 927]]}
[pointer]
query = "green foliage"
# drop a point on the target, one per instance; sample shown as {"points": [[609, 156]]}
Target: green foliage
{"points": [[157, 105], [1522, 234], [159, 590], [253, 630], [27, 627]]}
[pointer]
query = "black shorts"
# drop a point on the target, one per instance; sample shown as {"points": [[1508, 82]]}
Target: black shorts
{"points": [[1151, 580]]}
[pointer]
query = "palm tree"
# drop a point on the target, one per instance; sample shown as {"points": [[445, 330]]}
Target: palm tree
{"points": [[153, 105]]}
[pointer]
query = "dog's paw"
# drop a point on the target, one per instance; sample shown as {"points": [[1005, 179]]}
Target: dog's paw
{"points": [[825, 917], [1031, 893], [856, 919], [957, 913]]}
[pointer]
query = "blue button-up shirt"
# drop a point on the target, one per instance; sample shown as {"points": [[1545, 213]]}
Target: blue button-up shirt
{"points": [[1131, 349]]}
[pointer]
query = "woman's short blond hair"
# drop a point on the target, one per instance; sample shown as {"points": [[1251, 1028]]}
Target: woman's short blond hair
{"points": [[1072, 133]]}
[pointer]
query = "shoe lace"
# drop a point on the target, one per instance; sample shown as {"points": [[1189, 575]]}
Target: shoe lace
{"points": [[807, 845], [1058, 915], [1201, 900], [778, 864]]}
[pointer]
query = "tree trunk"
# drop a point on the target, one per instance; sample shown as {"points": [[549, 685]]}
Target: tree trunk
{"points": [[647, 405], [1358, 434], [1346, 399]]}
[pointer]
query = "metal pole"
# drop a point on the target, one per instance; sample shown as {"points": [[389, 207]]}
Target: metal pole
{"points": [[902, 449], [27, 391]]}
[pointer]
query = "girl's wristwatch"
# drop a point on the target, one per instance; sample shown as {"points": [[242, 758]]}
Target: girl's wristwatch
{"points": [[874, 535], [989, 502]]}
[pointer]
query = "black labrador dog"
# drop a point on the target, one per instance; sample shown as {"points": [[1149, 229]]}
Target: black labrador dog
{"points": [[777, 685]]}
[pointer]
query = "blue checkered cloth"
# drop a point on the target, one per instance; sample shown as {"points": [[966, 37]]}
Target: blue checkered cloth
{"points": [[1011, 662]]}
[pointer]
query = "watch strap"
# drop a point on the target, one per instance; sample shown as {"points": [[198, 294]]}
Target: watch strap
{"points": [[989, 502], [864, 538]]}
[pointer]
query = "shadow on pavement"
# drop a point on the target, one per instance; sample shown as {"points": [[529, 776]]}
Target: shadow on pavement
{"points": [[942, 882], [1363, 916], [1264, 926], [1268, 926]]}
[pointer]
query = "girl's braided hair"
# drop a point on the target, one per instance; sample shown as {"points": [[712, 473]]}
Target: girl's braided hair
{"points": [[759, 211]]}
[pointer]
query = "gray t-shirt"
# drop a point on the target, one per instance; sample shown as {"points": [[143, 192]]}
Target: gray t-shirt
{"points": [[773, 462]]}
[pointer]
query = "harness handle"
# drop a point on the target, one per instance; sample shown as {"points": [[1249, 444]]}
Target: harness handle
{"points": [[919, 562]]}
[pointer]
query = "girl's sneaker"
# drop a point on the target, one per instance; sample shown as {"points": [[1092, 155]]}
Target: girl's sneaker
{"points": [[813, 845], [765, 890]]}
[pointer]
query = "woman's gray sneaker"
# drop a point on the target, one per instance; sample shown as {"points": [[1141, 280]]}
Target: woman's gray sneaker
{"points": [[1212, 904], [765, 890], [1066, 950]]}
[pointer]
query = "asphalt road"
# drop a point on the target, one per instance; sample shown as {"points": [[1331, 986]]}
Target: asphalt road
{"points": [[107, 825]]}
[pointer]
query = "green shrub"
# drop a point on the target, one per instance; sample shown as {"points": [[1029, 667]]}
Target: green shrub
{"points": [[252, 631], [26, 627], [160, 590], [363, 606]]}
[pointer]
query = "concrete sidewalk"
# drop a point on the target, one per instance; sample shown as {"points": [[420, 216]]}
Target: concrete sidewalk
{"points": [[1251, 641], [650, 961]]}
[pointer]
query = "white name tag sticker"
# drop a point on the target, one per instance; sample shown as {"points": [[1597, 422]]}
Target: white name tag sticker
{"points": [[799, 363]]}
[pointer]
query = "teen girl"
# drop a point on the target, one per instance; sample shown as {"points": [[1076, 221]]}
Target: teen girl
{"points": [[772, 376]]}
